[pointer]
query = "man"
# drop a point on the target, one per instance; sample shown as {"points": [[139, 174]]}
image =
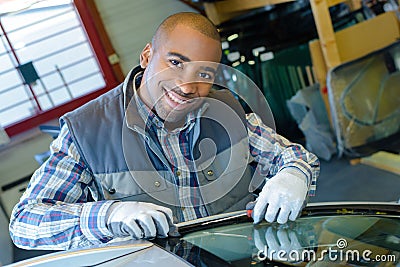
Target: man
{"points": [[136, 153]]}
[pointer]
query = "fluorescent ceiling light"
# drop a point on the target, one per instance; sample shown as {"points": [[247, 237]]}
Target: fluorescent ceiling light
{"points": [[225, 45], [236, 63], [232, 37], [233, 56], [266, 56], [234, 77], [257, 50]]}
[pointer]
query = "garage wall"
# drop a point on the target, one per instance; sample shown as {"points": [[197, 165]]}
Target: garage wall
{"points": [[131, 24]]}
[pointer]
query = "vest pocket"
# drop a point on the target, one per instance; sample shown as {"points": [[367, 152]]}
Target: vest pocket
{"points": [[233, 159], [228, 192], [126, 184]]}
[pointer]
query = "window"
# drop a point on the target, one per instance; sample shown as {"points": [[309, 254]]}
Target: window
{"points": [[47, 65]]}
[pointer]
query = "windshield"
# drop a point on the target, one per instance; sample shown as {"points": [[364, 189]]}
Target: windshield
{"points": [[311, 241]]}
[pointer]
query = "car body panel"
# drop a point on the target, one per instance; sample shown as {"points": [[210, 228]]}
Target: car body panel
{"points": [[124, 253]]}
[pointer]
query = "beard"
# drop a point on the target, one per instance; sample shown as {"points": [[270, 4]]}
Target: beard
{"points": [[167, 114], [175, 116]]}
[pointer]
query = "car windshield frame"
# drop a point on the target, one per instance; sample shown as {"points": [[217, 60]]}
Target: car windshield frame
{"points": [[342, 210]]}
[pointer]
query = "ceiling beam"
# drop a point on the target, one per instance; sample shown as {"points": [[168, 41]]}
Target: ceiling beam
{"points": [[194, 6], [221, 11]]}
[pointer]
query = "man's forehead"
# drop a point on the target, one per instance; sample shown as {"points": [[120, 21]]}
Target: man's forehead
{"points": [[188, 43]]}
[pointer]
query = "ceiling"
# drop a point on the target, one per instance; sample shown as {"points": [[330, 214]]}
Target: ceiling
{"points": [[274, 26]]}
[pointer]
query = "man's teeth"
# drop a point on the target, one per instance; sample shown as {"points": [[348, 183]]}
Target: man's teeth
{"points": [[175, 99]]}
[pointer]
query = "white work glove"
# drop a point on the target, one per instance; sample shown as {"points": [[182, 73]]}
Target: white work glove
{"points": [[139, 220], [278, 244], [282, 197]]}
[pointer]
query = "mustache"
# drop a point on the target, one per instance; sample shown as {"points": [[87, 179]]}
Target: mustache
{"points": [[179, 92]]}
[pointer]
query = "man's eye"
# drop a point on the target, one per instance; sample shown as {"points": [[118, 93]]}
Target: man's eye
{"points": [[204, 75], [176, 63]]}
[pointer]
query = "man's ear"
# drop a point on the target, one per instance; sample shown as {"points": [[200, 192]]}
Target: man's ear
{"points": [[145, 55]]}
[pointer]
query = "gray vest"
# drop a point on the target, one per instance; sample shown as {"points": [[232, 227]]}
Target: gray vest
{"points": [[110, 136]]}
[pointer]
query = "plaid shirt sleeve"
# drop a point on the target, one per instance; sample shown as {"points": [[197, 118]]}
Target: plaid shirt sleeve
{"points": [[53, 213], [274, 152]]}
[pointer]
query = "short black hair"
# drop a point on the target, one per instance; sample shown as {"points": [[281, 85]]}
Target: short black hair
{"points": [[193, 20]]}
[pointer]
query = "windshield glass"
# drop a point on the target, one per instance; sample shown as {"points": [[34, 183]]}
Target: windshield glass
{"points": [[312, 241]]}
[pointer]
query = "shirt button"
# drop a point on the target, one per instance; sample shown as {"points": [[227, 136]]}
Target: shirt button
{"points": [[157, 183], [210, 173], [111, 191], [178, 173]]}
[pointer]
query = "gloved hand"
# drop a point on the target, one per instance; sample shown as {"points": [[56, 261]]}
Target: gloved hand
{"points": [[139, 220], [277, 243], [282, 197]]}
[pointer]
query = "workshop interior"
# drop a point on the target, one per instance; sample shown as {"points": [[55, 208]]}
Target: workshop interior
{"points": [[328, 69]]}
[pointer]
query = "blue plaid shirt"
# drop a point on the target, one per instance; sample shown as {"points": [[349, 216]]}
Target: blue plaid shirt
{"points": [[178, 151], [53, 213]]}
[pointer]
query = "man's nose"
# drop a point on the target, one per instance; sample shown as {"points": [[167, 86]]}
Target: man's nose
{"points": [[188, 88], [187, 84]]}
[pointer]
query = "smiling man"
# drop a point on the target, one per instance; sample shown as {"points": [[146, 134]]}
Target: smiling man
{"points": [[170, 84], [163, 147]]}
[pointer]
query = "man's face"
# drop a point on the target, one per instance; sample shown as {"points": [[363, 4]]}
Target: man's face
{"points": [[178, 72]]}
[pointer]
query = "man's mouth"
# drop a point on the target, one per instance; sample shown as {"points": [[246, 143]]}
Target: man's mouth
{"points": [[176, 98]]}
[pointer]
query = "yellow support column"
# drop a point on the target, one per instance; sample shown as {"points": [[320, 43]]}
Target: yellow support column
{"points": [[320, 70], [323, 22]]}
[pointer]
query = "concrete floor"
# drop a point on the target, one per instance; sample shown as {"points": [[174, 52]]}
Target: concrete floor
{"points": [[338, 181]]}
